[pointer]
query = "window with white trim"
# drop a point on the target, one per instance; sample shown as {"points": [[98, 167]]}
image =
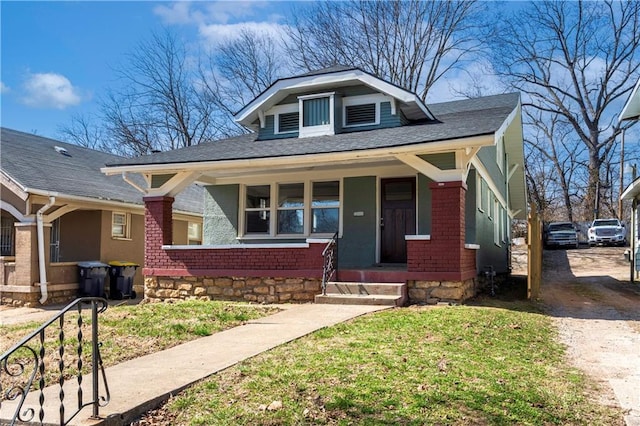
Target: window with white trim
{"points": [[194, 233], [120, 225], [325, 207], [302, 209], [291, 208], [257, 214], [479, 192], [497, 223], [316, 114], [490, 204], [286, 118]]}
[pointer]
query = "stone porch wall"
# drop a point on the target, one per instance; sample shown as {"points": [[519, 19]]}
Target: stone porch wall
{"points": [[246, 289], [432, 292], [29, 296]]}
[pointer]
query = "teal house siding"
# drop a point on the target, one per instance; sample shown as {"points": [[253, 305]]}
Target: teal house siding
{"points": [[220, 221], [269, 130], [357, 247], [158, 180], [487, 155], [443, 161], [424, 205]]}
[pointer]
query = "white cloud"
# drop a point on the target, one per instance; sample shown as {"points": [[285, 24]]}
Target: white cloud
{"points": [[49, 90], [177, 13], [3, 88], [215, 33], [219, 12]]}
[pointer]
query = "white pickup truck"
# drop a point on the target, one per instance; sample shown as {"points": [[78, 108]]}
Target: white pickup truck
{"points": [[607, 232]]}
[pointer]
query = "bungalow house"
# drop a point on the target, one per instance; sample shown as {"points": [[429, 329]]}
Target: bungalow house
{"points": [[58, 209], [347, 177], [631, 112]]}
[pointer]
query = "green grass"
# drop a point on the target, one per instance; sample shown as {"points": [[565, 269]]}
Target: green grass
{"points": [[413, 366], [128, 332]]}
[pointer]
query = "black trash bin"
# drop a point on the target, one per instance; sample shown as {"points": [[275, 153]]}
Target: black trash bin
{"points": [[92, 275], [121, 282]]}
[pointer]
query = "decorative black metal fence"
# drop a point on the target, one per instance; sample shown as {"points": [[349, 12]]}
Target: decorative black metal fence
{"points": [[330, 266], [42, 359]]}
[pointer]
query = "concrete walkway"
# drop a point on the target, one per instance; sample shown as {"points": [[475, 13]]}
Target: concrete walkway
{"points": [[140, 384]]}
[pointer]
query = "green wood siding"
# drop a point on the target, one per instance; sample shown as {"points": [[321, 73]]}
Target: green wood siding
{"points": [[357, 247], [487, 156], [444, 161], [158, 180], [220, 221]]}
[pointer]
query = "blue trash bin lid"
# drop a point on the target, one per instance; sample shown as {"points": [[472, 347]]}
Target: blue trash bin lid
{"points": [[92, 264]]}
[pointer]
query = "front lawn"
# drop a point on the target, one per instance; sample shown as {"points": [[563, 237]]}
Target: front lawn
{"points": [[458, 365], [128, 331]]}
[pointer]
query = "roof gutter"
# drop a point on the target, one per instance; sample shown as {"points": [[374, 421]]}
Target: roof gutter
{"points": [[41, 259], [103, 202], [313, 159]]}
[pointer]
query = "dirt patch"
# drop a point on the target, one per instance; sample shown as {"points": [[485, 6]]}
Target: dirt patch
{"points": [[597, 311]]}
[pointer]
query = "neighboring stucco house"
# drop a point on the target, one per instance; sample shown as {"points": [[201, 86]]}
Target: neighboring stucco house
{"points": [[59, 209], [421, 195], [631, 112]]}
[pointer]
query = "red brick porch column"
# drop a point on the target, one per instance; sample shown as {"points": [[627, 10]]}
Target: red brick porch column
{"points": [[444, 255], [158, 224]]}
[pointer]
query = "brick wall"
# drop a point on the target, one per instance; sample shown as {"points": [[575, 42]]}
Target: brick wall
{"points": [[444, 253], [158, 233]]}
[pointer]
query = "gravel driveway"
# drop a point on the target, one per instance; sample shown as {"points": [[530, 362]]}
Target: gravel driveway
{"points": [[597, 311]]}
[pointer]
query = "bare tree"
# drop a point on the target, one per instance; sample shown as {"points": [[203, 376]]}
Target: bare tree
{"points": [[84, 131], [159, 105], [237, 70], [410, 43], [556, 158], [576, 61]]}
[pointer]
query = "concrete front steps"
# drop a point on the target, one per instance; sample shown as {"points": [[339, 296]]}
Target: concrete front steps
{"points": [[357, 293]]}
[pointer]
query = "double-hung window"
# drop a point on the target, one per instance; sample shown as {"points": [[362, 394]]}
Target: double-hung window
{"points": [[120, 225], [291, 208], [257, 214], [194, 233], [325, 207]]}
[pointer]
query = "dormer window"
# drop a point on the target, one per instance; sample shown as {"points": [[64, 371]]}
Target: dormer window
{"points": [[316, 112]]}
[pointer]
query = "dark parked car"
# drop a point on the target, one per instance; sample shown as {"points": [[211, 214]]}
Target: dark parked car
{"points": [[561, 234]]}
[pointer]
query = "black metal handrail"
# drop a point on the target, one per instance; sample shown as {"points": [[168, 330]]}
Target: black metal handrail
{"points": [[24, 362], [330, 265]]}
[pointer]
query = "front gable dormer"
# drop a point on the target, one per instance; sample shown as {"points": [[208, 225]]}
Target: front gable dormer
{"points": [[326, 103]]}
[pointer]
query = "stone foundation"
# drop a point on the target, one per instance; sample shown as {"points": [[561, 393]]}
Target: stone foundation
{"points": [[245, 289], [432, 292], [30, 296]]}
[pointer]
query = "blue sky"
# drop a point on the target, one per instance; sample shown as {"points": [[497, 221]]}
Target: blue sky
{"points": [[58, 58]]}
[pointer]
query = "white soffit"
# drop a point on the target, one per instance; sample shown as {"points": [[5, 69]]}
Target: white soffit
{"points": [[414, 108]]}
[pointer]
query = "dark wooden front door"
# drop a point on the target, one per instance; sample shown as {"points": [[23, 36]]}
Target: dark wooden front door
{"points": [[398, 218]]}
